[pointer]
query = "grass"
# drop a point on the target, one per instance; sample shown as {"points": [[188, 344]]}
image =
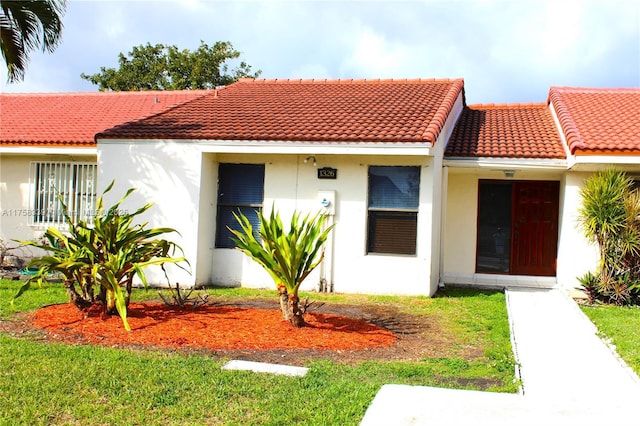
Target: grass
{"points": [[47, 383], [620, 325]]}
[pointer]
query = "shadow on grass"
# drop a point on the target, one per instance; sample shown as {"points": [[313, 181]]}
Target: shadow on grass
{"points": [[461, 292]]}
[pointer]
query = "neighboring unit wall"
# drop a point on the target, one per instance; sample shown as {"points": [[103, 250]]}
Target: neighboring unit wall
{"points": [[460, 228], [16, 205]]}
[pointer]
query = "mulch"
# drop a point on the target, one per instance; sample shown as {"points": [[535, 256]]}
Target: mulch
{"points": [[248, 329]]}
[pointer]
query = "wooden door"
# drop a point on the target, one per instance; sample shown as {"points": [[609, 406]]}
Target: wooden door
{"points": [[534, 238]]}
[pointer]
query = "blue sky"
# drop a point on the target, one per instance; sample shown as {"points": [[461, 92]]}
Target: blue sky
{"points": [[506, 51]]}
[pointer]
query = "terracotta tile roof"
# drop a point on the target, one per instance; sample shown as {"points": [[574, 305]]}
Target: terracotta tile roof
{"points": [[73, 119], [598, 121], [506, 131], [308, 110]]}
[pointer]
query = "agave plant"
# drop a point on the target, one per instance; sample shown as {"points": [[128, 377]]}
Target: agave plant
{"points": [[288, 257], [98, 262]]}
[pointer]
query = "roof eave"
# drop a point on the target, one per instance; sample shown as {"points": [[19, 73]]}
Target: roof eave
{"points": [[289, 147], [601, 162], [48, 150], [506, 163]]}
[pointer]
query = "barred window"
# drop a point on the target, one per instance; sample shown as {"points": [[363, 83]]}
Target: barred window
{"points": [[74, 182], [393, 209]]}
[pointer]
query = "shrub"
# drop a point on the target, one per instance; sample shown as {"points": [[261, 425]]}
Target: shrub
{"points": [[288, 257], [98, 262], [610, 217]]}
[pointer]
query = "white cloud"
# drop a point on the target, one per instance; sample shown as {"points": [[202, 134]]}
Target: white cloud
{"points": [[307, 71], [507, 51], [372, 55]]}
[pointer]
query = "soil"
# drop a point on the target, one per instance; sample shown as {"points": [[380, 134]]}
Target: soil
{"points": [[248, 329]]}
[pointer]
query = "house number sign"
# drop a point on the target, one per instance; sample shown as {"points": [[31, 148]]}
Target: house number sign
{"points": [[327, 173]]}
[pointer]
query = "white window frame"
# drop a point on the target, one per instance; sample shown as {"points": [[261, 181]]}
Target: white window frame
{"points": [[391, 210], [75, 181], [248, 207]]}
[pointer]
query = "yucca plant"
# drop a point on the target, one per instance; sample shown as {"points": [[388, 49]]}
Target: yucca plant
{"points": [[287, 256], [99, 261], [610, 217]]}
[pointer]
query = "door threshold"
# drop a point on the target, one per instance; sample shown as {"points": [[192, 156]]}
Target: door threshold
{"points": [[499, 280]]}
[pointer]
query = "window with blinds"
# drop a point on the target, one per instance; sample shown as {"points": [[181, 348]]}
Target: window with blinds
{"points": [[393, 209], [240, 189], [74, 182]]}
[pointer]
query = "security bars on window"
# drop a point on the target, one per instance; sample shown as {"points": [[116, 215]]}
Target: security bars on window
{"points": [[75, 182]]}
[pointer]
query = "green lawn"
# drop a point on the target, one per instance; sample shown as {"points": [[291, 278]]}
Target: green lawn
{"points": [[622, 326], [45, 383]]}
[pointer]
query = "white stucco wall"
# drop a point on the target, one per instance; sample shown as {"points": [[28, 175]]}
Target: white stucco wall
{"points": [[14, 199], [576, 255], [165, 174], [459, 248], [292, 184], [181, 180]]}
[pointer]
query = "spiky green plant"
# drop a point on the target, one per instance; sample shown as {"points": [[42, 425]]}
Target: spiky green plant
{"points": [[287, 256], [99, 261], [610, 217]]}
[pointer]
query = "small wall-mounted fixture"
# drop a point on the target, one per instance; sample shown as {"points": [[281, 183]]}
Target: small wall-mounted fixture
{"points": [[311, 157], [509, 174]]}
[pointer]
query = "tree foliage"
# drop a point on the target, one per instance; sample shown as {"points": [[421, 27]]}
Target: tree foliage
{"points": [[161, 67], [25, 26], [287, 256], [99, 261], [610, 217]]}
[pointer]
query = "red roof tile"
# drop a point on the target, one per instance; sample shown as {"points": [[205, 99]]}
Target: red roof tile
{"points": [[307, 110], [598, 121], [73, 119], [506, 131]]}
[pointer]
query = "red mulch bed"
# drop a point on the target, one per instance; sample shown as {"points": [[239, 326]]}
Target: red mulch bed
{"points": [[250, 329], [211, 327]]}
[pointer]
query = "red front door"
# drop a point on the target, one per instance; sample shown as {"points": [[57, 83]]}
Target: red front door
{"points": [[534, 237]]}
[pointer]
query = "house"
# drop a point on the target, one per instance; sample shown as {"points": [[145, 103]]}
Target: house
{"points": [[423, 188], [370, 150], [600, 128], [513, 176], [47, 146]]}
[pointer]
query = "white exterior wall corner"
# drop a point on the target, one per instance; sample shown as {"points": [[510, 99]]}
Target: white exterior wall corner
{"points": [[166, 174], [439, 193]]}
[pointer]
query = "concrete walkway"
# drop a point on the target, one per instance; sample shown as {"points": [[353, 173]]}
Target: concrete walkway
{"points": [[569, 377]]}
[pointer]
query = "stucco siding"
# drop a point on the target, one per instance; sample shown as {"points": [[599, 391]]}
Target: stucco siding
{"points": [[576, 255], [290, 184], [14, 202], [181, 181], [460, 224], [167, 175]]}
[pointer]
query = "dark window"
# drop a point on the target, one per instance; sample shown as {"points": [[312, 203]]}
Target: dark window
{"points": [[494, 226], [393, 209], [240, 189]]}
